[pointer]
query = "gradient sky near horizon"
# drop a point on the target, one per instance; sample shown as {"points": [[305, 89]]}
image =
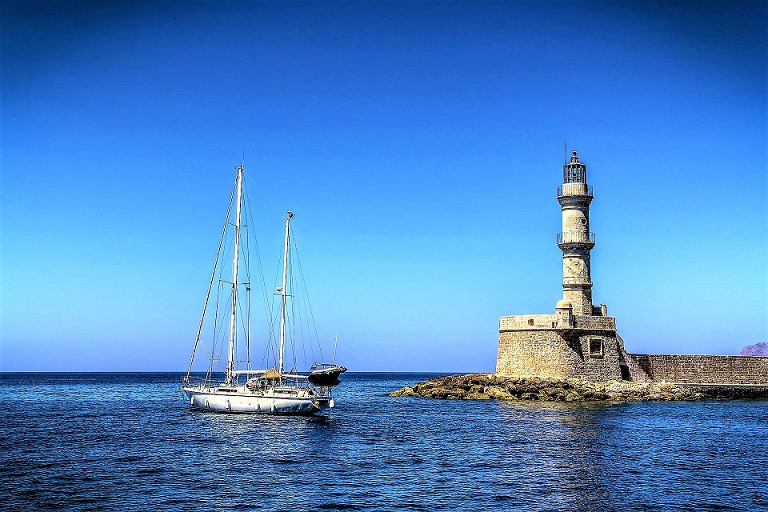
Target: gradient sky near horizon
{"points": [[420, 145]]}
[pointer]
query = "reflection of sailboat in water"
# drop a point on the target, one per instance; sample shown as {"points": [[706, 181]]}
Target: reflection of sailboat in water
{"points": [[245, 390]]}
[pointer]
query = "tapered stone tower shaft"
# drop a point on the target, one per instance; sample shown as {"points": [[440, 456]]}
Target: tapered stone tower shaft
{"points": [[576, 241]]}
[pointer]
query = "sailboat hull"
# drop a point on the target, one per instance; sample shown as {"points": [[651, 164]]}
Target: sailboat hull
{"points": [[245, 402]]}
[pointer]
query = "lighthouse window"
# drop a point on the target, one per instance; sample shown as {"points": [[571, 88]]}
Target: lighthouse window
{"points": [[574, 175]]}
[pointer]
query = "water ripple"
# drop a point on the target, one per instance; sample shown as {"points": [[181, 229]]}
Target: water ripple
{"points": [[129, 442]]}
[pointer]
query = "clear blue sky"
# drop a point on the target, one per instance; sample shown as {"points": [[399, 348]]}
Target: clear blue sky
{"points": [[419, 143]]}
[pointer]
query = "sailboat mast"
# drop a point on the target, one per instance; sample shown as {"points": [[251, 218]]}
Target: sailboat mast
{"points": [[235, 261], [283, 289]]}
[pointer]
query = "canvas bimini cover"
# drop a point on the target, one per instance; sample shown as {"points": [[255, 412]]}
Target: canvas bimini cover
{"points": [[272, 374]]}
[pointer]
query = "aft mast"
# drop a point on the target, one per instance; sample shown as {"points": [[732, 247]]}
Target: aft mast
{"points": [[235, 261], [284, 289]]}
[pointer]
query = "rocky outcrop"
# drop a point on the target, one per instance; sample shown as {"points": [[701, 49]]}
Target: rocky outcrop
{"points": [[758, 349], [484, 386]]}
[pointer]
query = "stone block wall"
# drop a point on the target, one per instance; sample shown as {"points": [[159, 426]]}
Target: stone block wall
{"points": [[589, 348], [533, 353], [529, 346], [701, 369]]}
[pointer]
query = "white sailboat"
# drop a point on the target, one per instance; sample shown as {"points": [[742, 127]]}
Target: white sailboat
{"points": [[244, 390]]}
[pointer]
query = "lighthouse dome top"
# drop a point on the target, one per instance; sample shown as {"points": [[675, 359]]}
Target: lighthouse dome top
{"points": [[574, 171]]}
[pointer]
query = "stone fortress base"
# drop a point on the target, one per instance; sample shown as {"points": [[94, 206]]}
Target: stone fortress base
{"points": [[591, 349]]}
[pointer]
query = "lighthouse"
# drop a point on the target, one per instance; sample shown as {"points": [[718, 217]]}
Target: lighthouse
{"points": [[578, 340], [575, 240]]}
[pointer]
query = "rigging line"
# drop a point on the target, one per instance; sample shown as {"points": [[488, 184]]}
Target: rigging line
{"points": [[247, 270], [267, 302], [271, 346], [218, 327], [244, 322], [268, 200], [272, 318], [217, 332], [297, 322], [309, 304], [220, 319], [290, 321], [306, 306], [300, 317], [213, 273], [302, 320], [248, 332], [268, 305], [276, 309]]}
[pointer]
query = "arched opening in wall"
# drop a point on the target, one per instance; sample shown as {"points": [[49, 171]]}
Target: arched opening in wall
{"points": [[624, 372]]}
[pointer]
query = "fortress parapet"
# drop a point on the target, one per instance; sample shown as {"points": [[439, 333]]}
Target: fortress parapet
{"points": [[540, 322]]}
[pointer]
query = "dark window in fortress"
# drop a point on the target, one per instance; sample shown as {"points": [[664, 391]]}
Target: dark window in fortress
{"points": [[596, 347]]}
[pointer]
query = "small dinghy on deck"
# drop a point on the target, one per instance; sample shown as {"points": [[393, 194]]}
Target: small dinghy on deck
{"points": [[325, 374]]}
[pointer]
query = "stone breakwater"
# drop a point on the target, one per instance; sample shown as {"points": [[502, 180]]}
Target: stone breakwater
{"points": [[484, 386]]}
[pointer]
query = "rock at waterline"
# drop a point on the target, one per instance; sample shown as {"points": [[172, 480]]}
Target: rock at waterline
{"points": [[489, 386]]}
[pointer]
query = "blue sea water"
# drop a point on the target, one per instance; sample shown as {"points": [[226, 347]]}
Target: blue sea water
{"points": [[130, 442]]}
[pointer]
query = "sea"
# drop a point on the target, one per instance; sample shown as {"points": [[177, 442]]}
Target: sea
{"points": [[129, 441]]}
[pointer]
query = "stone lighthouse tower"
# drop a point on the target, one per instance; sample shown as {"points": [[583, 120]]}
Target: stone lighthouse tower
{"points": [[578, 340], [575, 240]]}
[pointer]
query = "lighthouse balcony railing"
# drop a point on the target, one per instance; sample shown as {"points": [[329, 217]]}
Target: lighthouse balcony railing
{"points": [[576, 237], [574, 189]]}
